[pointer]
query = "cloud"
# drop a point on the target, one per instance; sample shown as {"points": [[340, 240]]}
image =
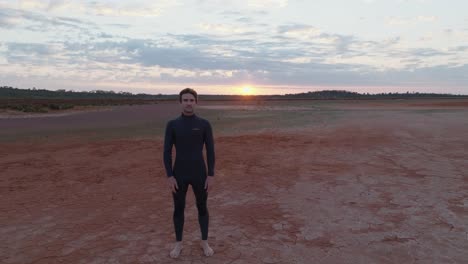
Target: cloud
{"points": [[440, 75], [244, 19], [29, 48], [398, 1], [241, 7], [224, 29], [120, 25], [273, 53], [426, 18], [31, 4], [398, 21], [459, 49], [103, 35], [136, 8], [426, 52], [231, 13], [267, 3], [36, 54], [13, 18], [8, 18], [407, 1], [229, 51], [298, 30], [307, 37]]}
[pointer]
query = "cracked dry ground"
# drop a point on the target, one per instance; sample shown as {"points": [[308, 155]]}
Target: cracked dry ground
{"points": [[380, 191]]}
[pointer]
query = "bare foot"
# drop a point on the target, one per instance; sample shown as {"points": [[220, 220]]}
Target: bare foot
{"points": [[206, 248], [176, 251]]}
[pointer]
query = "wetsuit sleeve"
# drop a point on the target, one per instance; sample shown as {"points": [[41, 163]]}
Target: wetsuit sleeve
{"points": [[210, 153], [168, 142]]}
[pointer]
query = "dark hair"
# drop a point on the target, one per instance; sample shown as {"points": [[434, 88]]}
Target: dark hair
{"points": [[190, 91]]}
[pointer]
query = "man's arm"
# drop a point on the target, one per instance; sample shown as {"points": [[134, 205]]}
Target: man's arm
{"points": [[210, 153], [168, 142]]}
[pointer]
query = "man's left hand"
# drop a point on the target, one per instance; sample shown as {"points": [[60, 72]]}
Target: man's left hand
{"points": [[209, 183]]}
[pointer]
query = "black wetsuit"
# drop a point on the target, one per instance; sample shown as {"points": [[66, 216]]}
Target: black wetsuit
{"points": [[189, 134]]}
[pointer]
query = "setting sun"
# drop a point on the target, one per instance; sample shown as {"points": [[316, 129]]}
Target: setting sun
{"points": [[247, 90]]}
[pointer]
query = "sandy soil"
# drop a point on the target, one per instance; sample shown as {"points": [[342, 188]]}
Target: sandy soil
{"points": [[385, 187]]}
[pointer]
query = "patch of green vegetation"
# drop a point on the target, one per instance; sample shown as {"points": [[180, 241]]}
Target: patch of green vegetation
{"points": [[37, 108], [27, 108], [60, 106]]}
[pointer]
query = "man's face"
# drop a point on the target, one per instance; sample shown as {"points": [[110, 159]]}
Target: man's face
{"points": [[188, 104]]}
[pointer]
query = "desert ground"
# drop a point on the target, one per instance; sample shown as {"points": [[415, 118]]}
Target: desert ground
{"points": [[296, 182]]}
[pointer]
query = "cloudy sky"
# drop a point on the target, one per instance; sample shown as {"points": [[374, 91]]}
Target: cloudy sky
{"points": [[221, 47]]}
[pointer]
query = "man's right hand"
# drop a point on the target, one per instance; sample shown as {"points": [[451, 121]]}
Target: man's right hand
{"points": [[173, 184]]}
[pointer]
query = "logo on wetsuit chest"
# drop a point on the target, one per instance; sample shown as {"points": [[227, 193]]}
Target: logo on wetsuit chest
{"points": [[195, 128]]}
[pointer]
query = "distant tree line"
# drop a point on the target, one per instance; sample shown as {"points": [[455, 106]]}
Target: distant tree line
{"points": [[43, 101], [342, 94], [16, 93], [33, 93]]}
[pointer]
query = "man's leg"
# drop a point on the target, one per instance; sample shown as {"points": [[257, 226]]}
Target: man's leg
{"points": [[203, 216], [178, 216]]}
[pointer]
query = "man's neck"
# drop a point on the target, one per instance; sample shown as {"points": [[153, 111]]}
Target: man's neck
{"points": [[188, 114]]}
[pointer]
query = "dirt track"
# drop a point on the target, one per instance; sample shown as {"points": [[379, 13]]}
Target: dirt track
{"points": [[377, 186]]}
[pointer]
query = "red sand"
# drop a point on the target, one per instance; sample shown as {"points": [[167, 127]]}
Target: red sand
{"points": [[381, 190]]}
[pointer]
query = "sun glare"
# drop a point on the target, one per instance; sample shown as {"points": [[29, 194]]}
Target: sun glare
{"points": [[247, 90]]}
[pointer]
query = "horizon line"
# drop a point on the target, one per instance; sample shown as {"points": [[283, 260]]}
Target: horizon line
{"points": [[241, 95]]}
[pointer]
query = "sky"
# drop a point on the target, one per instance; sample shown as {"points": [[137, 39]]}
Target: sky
{"points": [[232, 47]]}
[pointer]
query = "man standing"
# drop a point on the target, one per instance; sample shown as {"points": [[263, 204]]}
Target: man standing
{"points": [[189, 133]]}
